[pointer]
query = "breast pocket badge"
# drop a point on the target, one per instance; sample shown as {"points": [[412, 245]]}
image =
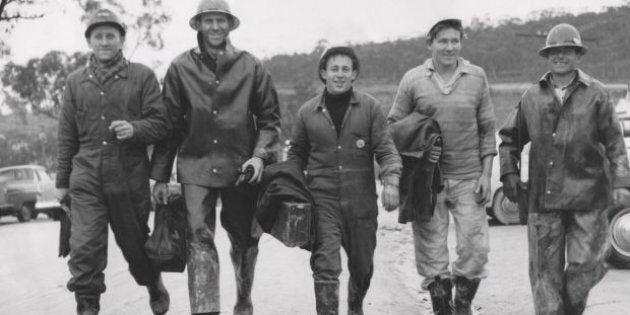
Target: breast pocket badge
{"points": [[360, 143]]}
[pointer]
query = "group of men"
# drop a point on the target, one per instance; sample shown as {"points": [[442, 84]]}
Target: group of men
{"points": [[218, 113]]}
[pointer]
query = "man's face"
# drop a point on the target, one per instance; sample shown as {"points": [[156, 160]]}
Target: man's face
{"points": [[446, 47], [214, 27], [105, 42], [562, 60], [339, 74]]}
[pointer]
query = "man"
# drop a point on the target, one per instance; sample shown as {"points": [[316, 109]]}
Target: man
{"points": [[112, 110], [454, 93], [225, 116], [336, 137], [577, 165]]}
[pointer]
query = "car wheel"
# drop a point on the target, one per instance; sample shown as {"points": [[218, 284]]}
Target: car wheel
{"points": [[503, 209], [620, 237], [26, 212]]}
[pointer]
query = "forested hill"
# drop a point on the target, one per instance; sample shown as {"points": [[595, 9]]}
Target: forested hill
{"points": [[507, 51]]}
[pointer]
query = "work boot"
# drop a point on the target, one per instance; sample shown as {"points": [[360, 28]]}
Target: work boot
{"points": [[465, 290], [87, 304], [327, 297], [441, 296], [158, 297], [244, 262]]}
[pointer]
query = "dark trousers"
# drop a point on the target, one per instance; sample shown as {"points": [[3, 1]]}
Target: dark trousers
{"points": [[335, 229], [97, 201], [237, 215], [567, 250]]}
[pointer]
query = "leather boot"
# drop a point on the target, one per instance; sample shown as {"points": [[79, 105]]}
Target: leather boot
{"points": [[465, 290], [327, 297], [244, 261], [441, 296], [87, 304], [158, 297]]}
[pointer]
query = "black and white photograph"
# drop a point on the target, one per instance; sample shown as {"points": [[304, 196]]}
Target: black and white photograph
{"points": [[268, 157]]}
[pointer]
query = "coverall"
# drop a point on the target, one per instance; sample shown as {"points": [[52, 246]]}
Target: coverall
{"points": [[108, 179], [577, 157], [341, 180]]}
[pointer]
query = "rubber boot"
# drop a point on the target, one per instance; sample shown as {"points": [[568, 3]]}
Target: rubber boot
{"points": [[87, 304], [355, 299], [465, 290], [327, 297], [158, 297], [244, 262], [441, 296]]}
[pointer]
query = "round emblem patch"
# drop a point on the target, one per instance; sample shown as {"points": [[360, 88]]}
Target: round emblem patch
{"points": [[360, 143]]}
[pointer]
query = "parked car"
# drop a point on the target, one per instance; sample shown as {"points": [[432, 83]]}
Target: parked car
{"points": [[26, 191]]}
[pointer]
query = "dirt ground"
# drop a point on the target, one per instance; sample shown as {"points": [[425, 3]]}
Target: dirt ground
{"points": [[33, 278]]}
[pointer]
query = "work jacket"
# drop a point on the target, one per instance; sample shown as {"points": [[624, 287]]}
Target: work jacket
{"points": [[342, 166], [577, 150], [414, 136], [220, 118], [84, 139]]}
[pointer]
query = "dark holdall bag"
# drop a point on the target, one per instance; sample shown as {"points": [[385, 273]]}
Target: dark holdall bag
{"points": [[293, 224], [166, 247]]}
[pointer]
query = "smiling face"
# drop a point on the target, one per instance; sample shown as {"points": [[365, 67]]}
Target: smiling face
{"points": [[215, 27], [562, 60], [105, 42], [338, 74], [445, 47]]}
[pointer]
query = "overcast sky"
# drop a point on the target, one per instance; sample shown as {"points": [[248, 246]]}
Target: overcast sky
{"points": [[270, 27]]}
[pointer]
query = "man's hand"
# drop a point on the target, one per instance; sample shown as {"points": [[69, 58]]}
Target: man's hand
{"points": [[122, 128], [510, 186], [622, 196], [258, 165], [434, 154], [482, 190], [389, 197], [160, 192]]}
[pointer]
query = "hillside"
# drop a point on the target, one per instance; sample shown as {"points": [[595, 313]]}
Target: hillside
{"points": [[507, 51]]}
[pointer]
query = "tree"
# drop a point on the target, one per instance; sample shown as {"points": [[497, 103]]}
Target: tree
{"points": [[12, 11], [39, 83]]}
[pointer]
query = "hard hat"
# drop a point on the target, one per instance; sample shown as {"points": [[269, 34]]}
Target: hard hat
{"points": [[563, 35], [104, 17], [214, 6]]}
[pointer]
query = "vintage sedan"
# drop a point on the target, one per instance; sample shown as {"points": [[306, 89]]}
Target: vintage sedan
{"points": [[26, 191]]}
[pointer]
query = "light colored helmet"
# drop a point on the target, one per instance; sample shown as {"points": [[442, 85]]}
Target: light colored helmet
{"points": [[104, 17], [563, 35], [217, 6]]}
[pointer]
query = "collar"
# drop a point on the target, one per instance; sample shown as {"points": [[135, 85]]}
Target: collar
{"points": [[89, 76], [230, 50], [322, 105], [463, 66], [580, 77]]}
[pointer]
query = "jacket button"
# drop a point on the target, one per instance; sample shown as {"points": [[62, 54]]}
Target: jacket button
{"points": [[550, 163], [102, 93], [340, 167], [102, 117], [214, 170], [553, 134], [214, 112], [218, 82], [215, 141], [339, 147], [548, 192], [104, 142]]}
